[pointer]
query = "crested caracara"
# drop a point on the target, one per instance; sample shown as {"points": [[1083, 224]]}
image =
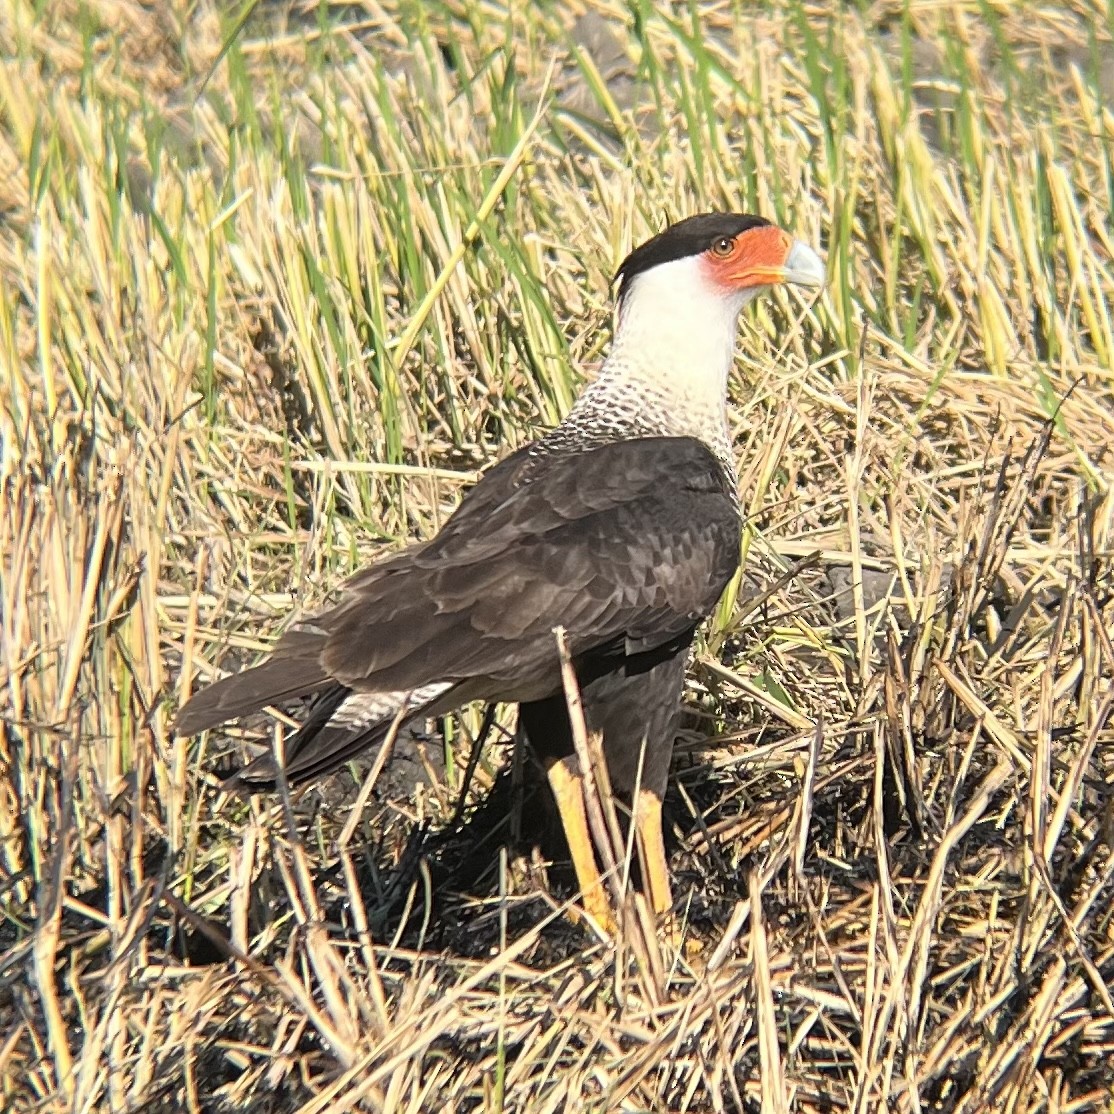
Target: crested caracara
{"points": [[621, 525]]}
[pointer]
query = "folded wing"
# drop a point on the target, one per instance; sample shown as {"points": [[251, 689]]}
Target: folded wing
{"points": [[627, 546]]}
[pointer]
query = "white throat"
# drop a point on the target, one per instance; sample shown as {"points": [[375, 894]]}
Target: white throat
{"points": [[673, 350]]}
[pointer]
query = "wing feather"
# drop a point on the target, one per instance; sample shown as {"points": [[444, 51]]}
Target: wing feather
{"points": [[629, 539], [630, 543]]}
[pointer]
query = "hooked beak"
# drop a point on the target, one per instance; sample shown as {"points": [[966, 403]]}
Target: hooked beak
{"points": [[803, 266]]}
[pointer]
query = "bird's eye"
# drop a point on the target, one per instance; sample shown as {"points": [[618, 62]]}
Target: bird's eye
{"points": [[723, 247]]}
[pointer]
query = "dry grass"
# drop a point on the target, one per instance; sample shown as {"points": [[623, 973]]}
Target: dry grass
{"points": [[263, 314]]}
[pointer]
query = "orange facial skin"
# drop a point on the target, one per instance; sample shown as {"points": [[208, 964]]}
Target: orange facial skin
{"points": [[755, 258]]}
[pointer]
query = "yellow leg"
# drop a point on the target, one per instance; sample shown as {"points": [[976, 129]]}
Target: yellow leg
{"points": [[568, 788], [651, 848]]}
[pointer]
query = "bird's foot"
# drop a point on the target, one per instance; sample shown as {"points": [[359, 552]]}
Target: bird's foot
{"points": [[596, 913]]}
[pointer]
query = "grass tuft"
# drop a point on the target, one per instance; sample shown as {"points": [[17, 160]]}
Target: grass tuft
{"points": [[276, 282]]}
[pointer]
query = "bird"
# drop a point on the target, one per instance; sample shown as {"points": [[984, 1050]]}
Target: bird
{"points": [[620, 525]]}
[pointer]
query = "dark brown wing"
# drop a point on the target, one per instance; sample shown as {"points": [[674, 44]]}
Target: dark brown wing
{"points": [[630, 544], [295, 666], [627, 546], [294, 669]]}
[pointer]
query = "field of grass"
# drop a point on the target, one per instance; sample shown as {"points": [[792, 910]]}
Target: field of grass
{"points": [[276, 282]]}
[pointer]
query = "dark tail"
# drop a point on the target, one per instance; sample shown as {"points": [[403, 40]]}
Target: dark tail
{"points": [[320, 746], [294, 670]]}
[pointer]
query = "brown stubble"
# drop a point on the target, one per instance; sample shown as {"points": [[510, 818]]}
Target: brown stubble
{"points": [[174, 483]]}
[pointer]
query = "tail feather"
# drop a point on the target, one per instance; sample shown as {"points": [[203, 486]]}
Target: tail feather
{"points": [[327, 750], [294, 670], [340, 725], [337, 725]]}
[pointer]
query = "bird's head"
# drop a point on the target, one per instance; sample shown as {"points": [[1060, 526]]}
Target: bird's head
{"points": [[674, 345], [728, 256]]}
